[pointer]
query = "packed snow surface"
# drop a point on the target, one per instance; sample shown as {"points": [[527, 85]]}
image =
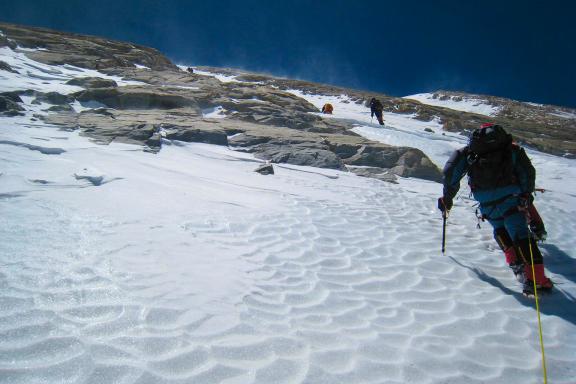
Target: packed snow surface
{"points": [[220, 76], [186, 266], [37, 76], [564, 115], [214, 113], [466, 104]]}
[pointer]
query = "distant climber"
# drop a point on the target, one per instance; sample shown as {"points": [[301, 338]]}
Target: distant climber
{"points": [[501, 178], [190, 70], [376, 108], [327, 108]]}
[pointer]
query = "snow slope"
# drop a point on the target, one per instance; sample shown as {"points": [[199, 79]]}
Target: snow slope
{"points": [[466, 104], [42, 77], [122, 266], [399, 129]]}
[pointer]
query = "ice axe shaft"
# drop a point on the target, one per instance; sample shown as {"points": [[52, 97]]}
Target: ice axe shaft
{"points": [[444, 217]]}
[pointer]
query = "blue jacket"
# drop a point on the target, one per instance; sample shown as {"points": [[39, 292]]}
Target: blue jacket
{"points": [[461, 162]]}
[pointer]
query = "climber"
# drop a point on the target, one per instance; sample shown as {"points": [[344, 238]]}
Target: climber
{"points": [[376, 108], [327, 108], [502, 179]]}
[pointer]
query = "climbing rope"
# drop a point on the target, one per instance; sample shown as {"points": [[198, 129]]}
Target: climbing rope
{"points": [[538, 312]]}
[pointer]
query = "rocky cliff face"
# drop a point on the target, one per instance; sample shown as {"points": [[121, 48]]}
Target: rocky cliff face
{"points": [[58, 48], [253, 113], [165, 101], [548, 128]]}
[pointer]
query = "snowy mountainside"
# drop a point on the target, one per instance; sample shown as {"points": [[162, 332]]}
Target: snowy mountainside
{"points": [[498, 106], [166, 101], [457, 102], [550, 129], [538, 125], [139, 245]]}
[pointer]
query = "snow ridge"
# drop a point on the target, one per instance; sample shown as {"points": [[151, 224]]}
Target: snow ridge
{"points": [[457, 103]]}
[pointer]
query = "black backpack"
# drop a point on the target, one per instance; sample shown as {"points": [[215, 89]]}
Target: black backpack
{"points": [[490, 158], [376, 105], [489, 139]]}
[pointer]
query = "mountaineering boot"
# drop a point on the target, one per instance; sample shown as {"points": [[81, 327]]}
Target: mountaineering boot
{"points": [[542, 282], [515, 264], [528, 250]]}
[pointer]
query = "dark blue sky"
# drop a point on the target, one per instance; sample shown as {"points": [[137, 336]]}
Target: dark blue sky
{"points": [[522, 49]]}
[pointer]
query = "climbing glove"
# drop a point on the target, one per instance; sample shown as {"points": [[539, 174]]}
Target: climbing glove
{"points": [[444, 204]]}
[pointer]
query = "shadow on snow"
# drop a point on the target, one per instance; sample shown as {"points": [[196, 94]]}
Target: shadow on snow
{"points": [[556, 303], [559, 262]]}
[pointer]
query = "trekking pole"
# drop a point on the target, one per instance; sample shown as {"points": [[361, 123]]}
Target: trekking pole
{"points": [[444, 217], [544, 372]]}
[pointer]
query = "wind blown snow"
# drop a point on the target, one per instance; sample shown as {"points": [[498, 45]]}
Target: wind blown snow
{"points": [[37, 76], [464, 104], [122, 266], [220, 76]]}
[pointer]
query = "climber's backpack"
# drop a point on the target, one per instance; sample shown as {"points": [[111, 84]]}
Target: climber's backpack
{"points": [[490, 158]]}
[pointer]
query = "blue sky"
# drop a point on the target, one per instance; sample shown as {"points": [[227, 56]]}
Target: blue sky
{"points": [[524, 50]]}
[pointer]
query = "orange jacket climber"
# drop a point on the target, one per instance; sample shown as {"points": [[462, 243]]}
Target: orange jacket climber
{"points": [[327, 108]]}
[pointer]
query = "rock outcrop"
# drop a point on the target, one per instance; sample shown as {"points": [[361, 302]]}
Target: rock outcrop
{"points": [[257, 113], [260, 116], [4, 66], [135, 98], [9, 104], [54, 98], [59, 48], [92, 82], [265, 169], [550, 129]]}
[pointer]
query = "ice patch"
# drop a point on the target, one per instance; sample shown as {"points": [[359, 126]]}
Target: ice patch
{"points": [[80, 106], [140, 66], [214, 113], [220, 76], [564, 115], [23, 49], [187, 87], [94, 176], [32, 147]]}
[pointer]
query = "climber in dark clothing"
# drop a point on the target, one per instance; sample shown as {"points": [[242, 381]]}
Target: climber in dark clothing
{"points": [[376, 108], [502, 179]]}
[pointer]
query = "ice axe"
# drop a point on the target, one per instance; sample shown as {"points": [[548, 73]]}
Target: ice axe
{"points": [[444, 217], [445, 212]]}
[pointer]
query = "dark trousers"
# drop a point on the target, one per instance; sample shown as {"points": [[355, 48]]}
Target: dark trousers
{"points": [[379, 117]]}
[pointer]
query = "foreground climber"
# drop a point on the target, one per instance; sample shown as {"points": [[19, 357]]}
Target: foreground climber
{"points": [[502, 179], [376, 108]]}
